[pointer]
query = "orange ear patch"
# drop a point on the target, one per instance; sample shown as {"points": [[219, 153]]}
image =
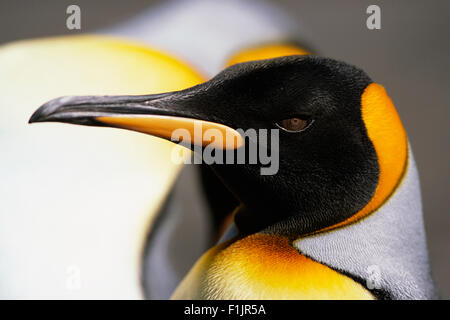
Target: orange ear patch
{"points": [[388, 137]]}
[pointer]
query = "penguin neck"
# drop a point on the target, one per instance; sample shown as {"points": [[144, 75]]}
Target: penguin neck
{"points": [[292, 227], [260, 210]]}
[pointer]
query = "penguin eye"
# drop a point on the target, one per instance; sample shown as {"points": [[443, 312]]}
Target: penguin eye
{"points": [[293, 124]]}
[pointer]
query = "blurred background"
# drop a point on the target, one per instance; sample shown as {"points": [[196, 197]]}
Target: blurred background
{"points": [[409, 56]]}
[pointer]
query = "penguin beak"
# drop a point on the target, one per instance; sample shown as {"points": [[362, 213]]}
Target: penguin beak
{"points": [[158, 115]]}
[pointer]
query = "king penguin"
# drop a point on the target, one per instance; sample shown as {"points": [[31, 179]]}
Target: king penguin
{"points": [[209, 35], [341, 219], [133, 211]]}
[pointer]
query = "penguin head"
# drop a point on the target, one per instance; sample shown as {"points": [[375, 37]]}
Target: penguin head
{"points": [[327, 170]]}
